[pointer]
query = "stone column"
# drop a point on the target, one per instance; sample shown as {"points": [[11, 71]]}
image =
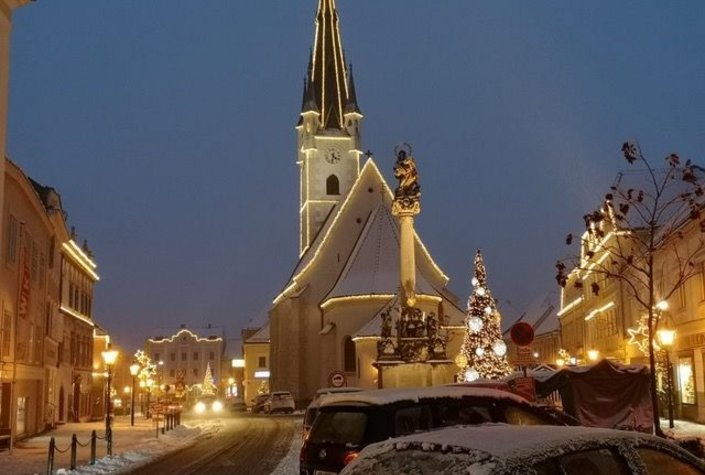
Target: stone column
{"points": [[406, 205]]}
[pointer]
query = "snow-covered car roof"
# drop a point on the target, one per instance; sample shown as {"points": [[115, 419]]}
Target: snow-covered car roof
{"points": [[502, 448], [388, 396]]}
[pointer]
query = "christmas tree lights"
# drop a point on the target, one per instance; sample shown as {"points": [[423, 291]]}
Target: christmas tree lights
{"points": [[483, 354]]}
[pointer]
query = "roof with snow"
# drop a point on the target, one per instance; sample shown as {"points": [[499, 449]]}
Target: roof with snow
{"points": [[372, 268], [501, 448], [262, 335], [388, 396]]}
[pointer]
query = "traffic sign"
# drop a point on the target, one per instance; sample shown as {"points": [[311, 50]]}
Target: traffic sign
{"points": [[336, 379], [523, 357], [522, 334]]}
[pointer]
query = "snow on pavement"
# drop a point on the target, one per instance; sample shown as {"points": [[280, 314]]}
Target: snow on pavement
{"points": [[289, 465], [132, 447]]}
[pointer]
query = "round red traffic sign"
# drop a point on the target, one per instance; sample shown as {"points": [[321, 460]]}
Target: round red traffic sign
{"points": [[336, 379], [522, 334]]}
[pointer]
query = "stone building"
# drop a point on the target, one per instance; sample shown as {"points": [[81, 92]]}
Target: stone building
{"points": [[46, 288], [183, 354], [327, 317], [256, 351], [607, 324]]}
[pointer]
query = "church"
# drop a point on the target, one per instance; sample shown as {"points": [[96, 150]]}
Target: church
{"points": [[327, 319]]}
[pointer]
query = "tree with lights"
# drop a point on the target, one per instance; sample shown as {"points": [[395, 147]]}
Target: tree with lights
{"points": [[647, 237], [208, 382], [483, 354]]}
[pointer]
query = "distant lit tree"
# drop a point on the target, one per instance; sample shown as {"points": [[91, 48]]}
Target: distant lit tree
{"points": [[208, 382], [483, 354], [645, 235]]}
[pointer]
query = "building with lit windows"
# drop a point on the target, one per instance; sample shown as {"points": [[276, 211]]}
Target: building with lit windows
{"points": [[184, 354], [256, 351], [46, 336], [327, 316], [608, 324]]}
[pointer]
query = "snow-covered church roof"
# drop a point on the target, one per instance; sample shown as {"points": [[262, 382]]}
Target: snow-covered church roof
{"points": [[372, 266]]}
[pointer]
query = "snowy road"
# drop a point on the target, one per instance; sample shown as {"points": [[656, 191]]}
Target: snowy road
{"points": [[245, 444]]}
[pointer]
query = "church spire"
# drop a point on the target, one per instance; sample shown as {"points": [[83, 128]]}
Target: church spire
{"points": [[328, 68], [351, 105]]}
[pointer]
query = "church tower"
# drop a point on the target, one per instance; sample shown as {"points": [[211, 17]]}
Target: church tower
{"points": [[328, 130]]}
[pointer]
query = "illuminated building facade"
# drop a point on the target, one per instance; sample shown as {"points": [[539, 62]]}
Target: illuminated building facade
{"points": [[327, 317], [185, 354]]}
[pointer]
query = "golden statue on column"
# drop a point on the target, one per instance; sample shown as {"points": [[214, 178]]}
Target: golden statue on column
{"points": [[406, 205]]}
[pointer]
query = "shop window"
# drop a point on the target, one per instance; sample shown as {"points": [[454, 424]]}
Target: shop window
{"points": [[686, 379]]}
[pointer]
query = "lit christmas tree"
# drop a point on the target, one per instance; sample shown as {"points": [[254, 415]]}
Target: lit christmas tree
{"points": [[208, 382], [483, 354]]}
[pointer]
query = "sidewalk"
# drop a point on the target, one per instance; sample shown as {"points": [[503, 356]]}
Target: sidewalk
{"points": [[132, 446]]}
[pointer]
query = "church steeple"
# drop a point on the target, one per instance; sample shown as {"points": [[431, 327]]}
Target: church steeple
{"points": [[327, 71]]}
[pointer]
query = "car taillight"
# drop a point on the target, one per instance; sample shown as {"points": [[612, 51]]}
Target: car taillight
{"points": [[349, 457]]}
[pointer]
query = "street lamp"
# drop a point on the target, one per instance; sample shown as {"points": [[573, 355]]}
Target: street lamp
{"points": [[593, 354], [134, 369], [109, 357], [666, 337]]}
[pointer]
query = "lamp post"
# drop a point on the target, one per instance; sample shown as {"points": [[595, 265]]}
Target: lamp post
{"points": [[150, 383], [134, 369], [109, 357], [666, 337]]}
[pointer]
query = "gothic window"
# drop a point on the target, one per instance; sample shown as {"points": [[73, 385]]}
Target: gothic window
{"points": [[349, 357], [332, 185]]}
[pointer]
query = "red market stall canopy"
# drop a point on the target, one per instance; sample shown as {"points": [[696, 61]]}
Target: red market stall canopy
{"points": [[606, 394]]}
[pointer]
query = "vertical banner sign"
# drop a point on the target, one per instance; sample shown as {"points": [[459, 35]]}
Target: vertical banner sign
{"points": [[25, 286]]}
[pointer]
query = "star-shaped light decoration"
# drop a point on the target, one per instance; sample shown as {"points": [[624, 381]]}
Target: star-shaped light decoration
{"points": [[639, 336]]}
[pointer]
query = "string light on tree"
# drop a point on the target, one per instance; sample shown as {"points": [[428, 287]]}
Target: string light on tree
{"points": [[483, 352]]}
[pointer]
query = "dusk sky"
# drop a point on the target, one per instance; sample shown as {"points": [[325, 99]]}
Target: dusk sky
{"points": [[167, 126]]}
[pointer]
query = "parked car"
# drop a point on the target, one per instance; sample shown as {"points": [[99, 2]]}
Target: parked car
{"points": [[208, 405], [501, 449], [279, 401], [312, 408], [258, 403], [348, 422]]}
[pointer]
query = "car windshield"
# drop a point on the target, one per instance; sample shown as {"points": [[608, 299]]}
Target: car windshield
{"points": [[340, 427]]}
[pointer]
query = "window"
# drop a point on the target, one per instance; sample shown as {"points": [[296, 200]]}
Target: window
{"points": [[349, 358], [686, 379], [412, 419], [681, 297], [156, 357], [332, 185], [658, 462], [183, 356], [195, 356], [6, 334], [172, 373], [212, 355], [195, 371], [11, 250], [172, 356], [702, 281], [262, 362]]}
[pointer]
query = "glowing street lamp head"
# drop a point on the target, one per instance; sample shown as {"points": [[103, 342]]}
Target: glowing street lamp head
{"points": [[134, 369], [109, 357], [662, 305], [593, 355], [666, 337]]}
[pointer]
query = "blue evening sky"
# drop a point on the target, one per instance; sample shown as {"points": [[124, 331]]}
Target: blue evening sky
{"points": [[168, 128]]}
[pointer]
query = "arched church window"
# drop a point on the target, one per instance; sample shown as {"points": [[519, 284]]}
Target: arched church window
{"points": [[332, 185], [349, 358]]}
